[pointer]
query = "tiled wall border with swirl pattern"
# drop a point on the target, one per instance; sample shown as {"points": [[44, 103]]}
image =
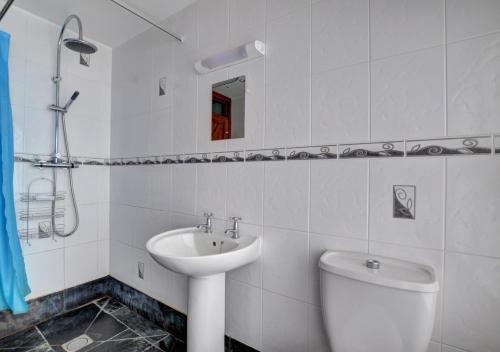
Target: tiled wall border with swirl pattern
{"points": [[447, 146]]}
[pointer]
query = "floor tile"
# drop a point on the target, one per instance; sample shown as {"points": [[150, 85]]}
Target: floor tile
{"points": [[127, 341], [143, 327], [23, 341], [89, 320], [109, 305], [171, 344]]}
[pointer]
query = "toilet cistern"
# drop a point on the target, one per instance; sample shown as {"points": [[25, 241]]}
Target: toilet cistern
{"points": [[373, 303]]}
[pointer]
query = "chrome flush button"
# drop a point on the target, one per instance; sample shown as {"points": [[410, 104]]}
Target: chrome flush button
{"points": [[373, 264]]}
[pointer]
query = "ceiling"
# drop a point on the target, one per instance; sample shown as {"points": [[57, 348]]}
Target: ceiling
{"points": [[104, 21]]}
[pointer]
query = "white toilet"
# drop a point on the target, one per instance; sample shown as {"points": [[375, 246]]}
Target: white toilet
{"points": [[376, 304]]}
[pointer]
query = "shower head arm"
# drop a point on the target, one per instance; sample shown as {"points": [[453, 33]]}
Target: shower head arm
{"points": [[61, 35]]}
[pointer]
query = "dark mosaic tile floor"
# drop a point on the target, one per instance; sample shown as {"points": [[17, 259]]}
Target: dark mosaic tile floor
{"points": [[102, 326]]}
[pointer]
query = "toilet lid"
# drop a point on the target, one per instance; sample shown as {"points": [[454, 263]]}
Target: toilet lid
{"points": [[380, 270]]}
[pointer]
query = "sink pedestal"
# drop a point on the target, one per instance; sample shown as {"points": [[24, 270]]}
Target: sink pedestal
{"points": [[206, 313]]}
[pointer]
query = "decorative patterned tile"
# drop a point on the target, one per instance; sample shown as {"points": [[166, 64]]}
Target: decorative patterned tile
{"points": [[149, 160], [265, 155], [372, 150], [312, 153], [169, 159], [196, 158], [449, 146], [228, 157], [403, 198], [131, 161]]}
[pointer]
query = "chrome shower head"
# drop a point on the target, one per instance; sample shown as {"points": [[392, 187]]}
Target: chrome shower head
{"points": [[80, 45]]}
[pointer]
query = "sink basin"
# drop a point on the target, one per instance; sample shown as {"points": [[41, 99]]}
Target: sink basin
{"points": [[205, 258], [192, 252]]}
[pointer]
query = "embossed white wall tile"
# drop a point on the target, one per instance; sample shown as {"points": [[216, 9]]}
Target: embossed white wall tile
{"points": [[88, 230], [37, 267], [243, 321], [317, 339], [472, 307], [286, 192], [285, 252], [213, 24], [104, 254], [247, 21], [450, 349], [473, 94], [340, 33], [38, 131], [435, 347], [120, 261], [408, 95], [160, 136], [472, 204], [399, 26], [81, 264], [132, 77], [319, 244], [288, 80], [80, 128], [160, 187], [431, 257], [280, 8], [339, 193], [340, 105], [250, 274], [130, 136], [245, 191], [283, 327], [184, 189], [211, 189], [185, 108], [426, 230], [130, 185], [465, 19]]}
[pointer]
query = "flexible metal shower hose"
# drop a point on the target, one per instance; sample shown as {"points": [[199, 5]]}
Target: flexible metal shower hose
{"points": [[71, 187]]}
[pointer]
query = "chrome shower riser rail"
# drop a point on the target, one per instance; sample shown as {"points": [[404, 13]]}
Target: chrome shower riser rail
{"points": [[6, 8], [145, 19]]}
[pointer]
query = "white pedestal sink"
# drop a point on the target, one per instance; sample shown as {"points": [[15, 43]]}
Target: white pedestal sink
{"points": [[205, 258]]}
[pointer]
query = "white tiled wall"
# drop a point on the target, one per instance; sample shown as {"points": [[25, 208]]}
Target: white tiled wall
{"points": [[336, 71], [53, 266]]}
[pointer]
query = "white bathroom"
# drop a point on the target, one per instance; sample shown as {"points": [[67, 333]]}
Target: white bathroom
{"points": [[250, 175]]}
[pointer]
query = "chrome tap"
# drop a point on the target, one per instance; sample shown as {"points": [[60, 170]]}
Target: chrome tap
{"points": [[207, 226], [235, 231]]}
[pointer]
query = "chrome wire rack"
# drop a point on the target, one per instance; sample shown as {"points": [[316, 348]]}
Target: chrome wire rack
{"points": [[40, 214]]}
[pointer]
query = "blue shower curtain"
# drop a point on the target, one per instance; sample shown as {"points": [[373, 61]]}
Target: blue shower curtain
{"points": [[13, 282]]}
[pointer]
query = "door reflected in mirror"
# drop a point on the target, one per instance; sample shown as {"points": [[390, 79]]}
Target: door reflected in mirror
{"points": [[228, 109]]}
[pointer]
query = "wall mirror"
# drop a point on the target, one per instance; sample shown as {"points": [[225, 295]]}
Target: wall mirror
{"points": [[228, 109]]}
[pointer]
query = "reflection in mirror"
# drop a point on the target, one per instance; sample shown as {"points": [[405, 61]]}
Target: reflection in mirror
{"points": [[228, 109]]}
